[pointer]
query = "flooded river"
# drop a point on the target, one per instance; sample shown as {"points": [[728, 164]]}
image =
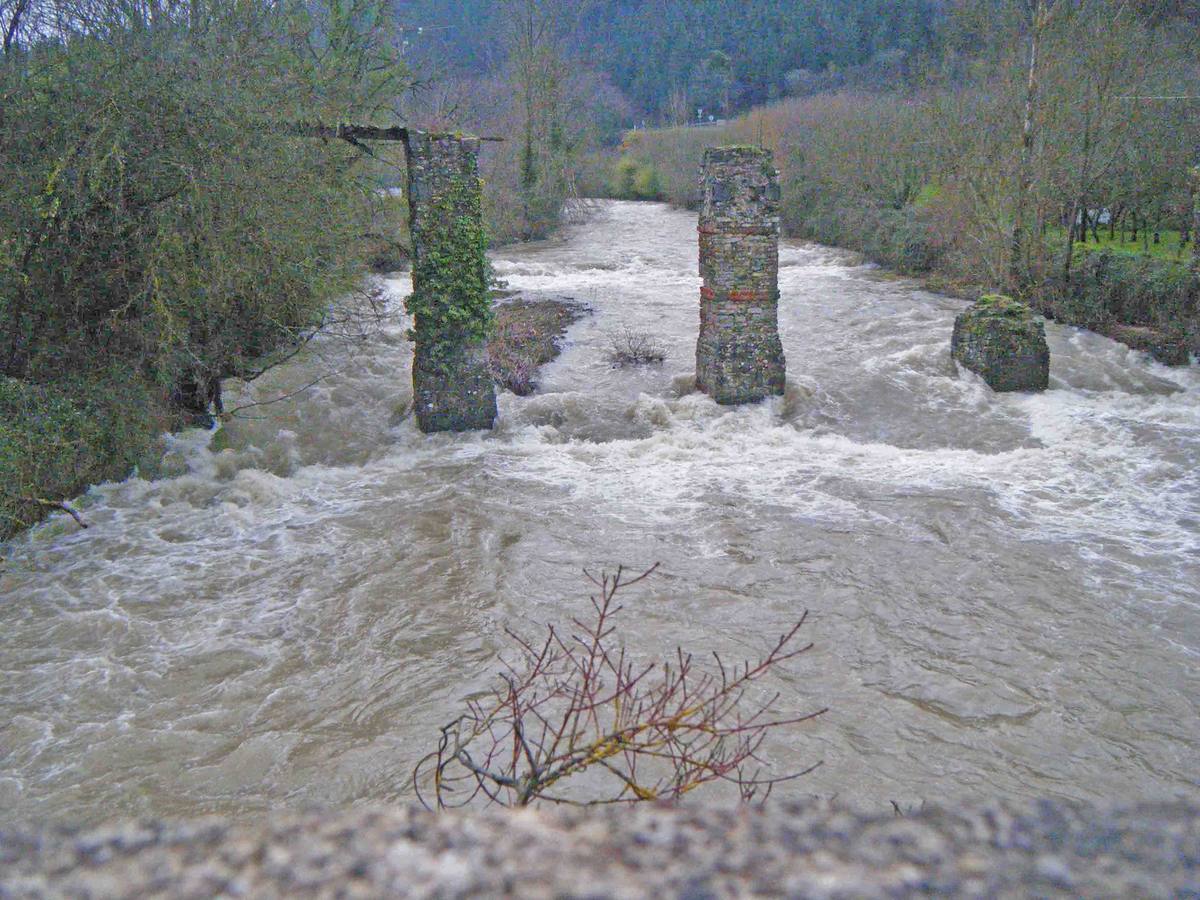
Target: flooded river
{"points": [[1004, 589]]}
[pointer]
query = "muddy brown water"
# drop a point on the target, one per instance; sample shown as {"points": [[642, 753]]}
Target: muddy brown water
{"points": [[1003, 589]]}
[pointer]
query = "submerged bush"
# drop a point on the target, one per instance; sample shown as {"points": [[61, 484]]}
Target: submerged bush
{"points": [[572, 708], [629, 347]]}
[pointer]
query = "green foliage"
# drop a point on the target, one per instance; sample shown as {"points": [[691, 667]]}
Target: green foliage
{"points": [[55, 441], [451, 303], [1169, 247], [1110, 287], [632, 180], [625, 178], [1002, 305], [129, 228], [648, 184], [152, 217]]}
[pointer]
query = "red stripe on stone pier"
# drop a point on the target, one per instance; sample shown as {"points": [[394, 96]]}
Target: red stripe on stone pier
{"points": [[743, 229], [708, 293]]}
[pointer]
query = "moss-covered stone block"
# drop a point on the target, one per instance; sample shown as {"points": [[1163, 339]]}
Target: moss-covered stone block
{"points": [[453, 390], [1004, 342]]}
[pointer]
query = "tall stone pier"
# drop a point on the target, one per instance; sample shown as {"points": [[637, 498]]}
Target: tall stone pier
{"points": [[451, 299], [739, 357]]}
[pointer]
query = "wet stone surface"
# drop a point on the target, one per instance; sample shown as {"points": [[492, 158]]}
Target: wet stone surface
{"points": [[739, 356], [810, 850], [1004, 342]]}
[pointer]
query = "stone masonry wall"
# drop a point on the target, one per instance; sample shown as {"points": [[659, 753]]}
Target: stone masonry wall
{"points": [[739, 357], [452, 387]]}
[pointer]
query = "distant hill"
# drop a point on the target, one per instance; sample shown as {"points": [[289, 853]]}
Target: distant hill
{"points": [[671, 56]]}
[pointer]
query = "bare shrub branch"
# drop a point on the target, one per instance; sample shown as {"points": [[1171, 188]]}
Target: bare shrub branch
{"points": [[575, 703], [61, 505], [628, 347]]}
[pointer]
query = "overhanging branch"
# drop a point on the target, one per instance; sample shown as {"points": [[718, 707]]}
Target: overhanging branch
{"points": [[352, 133]]}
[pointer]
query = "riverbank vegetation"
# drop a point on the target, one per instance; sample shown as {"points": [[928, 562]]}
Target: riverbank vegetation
{"points": [[157, 232], [1044, 150]]}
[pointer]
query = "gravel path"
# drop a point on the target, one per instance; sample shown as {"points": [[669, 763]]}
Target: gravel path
{"points": [[801, 850], [809, 850]]}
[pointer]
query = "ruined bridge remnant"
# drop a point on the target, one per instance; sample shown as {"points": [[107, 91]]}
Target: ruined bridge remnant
{"points": [[451, 300], [1004, 342], [739, 357]]}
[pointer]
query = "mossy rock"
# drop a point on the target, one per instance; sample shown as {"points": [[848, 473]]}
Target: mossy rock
{"points": [[1004, 342]]}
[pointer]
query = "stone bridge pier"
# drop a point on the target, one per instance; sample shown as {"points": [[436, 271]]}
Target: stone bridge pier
{"points": [[739, 357], [451, 300]]}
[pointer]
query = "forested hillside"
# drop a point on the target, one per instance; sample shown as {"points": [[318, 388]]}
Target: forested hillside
{"points": [[669, 58]]}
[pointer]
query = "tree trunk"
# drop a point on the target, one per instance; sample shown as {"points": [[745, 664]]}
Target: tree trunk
{"points": [[1070, 241], [1196, 221], [14, 25], [1018, 270]]}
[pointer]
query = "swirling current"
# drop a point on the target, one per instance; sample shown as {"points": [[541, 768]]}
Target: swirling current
{"points": [[1002, 589]]}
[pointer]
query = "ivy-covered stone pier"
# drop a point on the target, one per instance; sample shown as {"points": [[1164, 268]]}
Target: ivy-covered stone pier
{"points": [[739, 357], [451, 299]]}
